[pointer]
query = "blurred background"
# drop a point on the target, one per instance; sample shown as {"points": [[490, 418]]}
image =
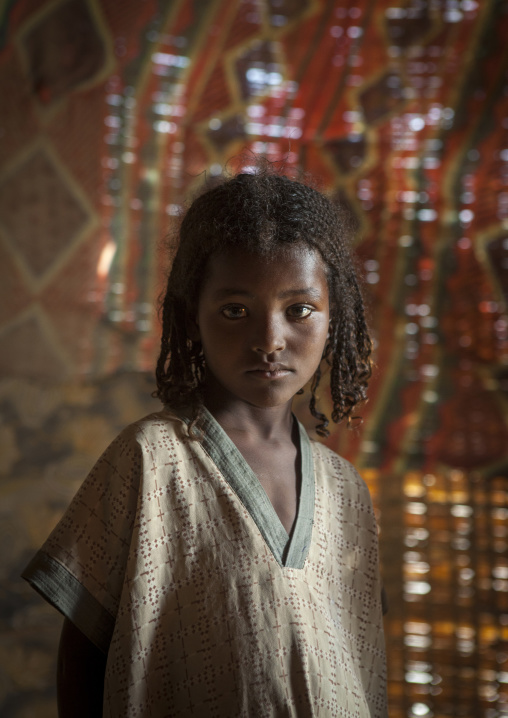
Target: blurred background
{"points": [[110, 113]]}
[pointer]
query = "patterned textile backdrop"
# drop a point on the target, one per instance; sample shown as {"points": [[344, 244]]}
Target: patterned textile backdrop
{"points": [[110, 113]]}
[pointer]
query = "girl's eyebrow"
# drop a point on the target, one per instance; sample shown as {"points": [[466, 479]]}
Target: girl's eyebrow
{"points": [[229, 292], [226, 292], [308, 291]]}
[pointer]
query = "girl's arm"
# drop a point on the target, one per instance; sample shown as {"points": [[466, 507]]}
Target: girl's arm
{"points": [[80, 675]]}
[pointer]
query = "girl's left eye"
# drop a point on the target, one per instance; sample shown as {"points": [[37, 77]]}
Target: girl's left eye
{"points": [[299, 311], [234, 312]]}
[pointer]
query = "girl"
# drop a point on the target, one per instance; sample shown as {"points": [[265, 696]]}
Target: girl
{"points": [[225, 564]]}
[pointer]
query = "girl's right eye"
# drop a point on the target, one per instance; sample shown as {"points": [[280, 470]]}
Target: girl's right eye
{"points": [[234, 311]]}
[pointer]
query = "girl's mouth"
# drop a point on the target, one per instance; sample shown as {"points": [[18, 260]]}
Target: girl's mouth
{"points": [[270, 371]]}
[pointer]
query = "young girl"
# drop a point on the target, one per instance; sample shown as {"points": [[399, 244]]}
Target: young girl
{"points": [[216, 562]]}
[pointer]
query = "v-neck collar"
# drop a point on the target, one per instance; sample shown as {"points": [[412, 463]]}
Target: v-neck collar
{"points": [[290, 552]]}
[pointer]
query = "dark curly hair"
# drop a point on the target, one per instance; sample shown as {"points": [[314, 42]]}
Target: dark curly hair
{"points": [[260, 212]]}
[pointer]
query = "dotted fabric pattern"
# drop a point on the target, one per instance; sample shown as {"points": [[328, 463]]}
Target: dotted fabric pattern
{"points": [[206, 620]]}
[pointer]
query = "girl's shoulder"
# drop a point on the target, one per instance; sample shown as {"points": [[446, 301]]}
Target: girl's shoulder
{"points": [[337, 477], [329, 462], [164, 421], [140, 446], [151, 432]]}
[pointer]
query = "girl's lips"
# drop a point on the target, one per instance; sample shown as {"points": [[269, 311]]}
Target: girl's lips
{"points": [[275, 373]]}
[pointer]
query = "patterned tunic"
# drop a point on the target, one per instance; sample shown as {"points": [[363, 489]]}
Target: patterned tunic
{"points": [[172, 560]]}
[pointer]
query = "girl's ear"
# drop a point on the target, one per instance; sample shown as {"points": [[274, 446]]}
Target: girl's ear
{"points": [[192, 328]]}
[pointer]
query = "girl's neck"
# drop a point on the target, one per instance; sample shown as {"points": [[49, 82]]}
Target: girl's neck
{"points": [[257, 423]]}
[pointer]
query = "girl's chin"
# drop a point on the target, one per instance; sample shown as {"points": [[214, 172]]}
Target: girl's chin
{"points": [[255, 390], [270, 399]]}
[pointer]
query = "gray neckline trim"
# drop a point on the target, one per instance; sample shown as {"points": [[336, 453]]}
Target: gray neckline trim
{"points": [[290, 553]]}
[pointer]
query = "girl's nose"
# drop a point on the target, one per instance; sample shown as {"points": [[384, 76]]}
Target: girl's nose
{"points": [[268, 337]]}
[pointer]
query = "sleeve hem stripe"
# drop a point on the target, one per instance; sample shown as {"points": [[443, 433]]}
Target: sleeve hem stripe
{"points": [[59, 587]]}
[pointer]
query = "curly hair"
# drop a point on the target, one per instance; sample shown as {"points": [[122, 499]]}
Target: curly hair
{"points": [[260, 213]]}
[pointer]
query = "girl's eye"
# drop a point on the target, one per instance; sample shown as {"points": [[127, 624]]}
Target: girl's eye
{"points": [[299, 311], [234, 312]]}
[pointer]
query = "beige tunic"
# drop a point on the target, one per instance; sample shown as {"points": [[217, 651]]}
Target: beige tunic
{"points": [[172, 560]]}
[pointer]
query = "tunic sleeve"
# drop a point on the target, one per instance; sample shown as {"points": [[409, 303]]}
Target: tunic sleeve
{"points": [[80, 569]]}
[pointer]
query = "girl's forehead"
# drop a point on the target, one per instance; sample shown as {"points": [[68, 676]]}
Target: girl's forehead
{"points": [[292, 265], [297, 255]]}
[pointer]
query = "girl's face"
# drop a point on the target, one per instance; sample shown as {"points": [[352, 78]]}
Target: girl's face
{"points": [[263, 323]]}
